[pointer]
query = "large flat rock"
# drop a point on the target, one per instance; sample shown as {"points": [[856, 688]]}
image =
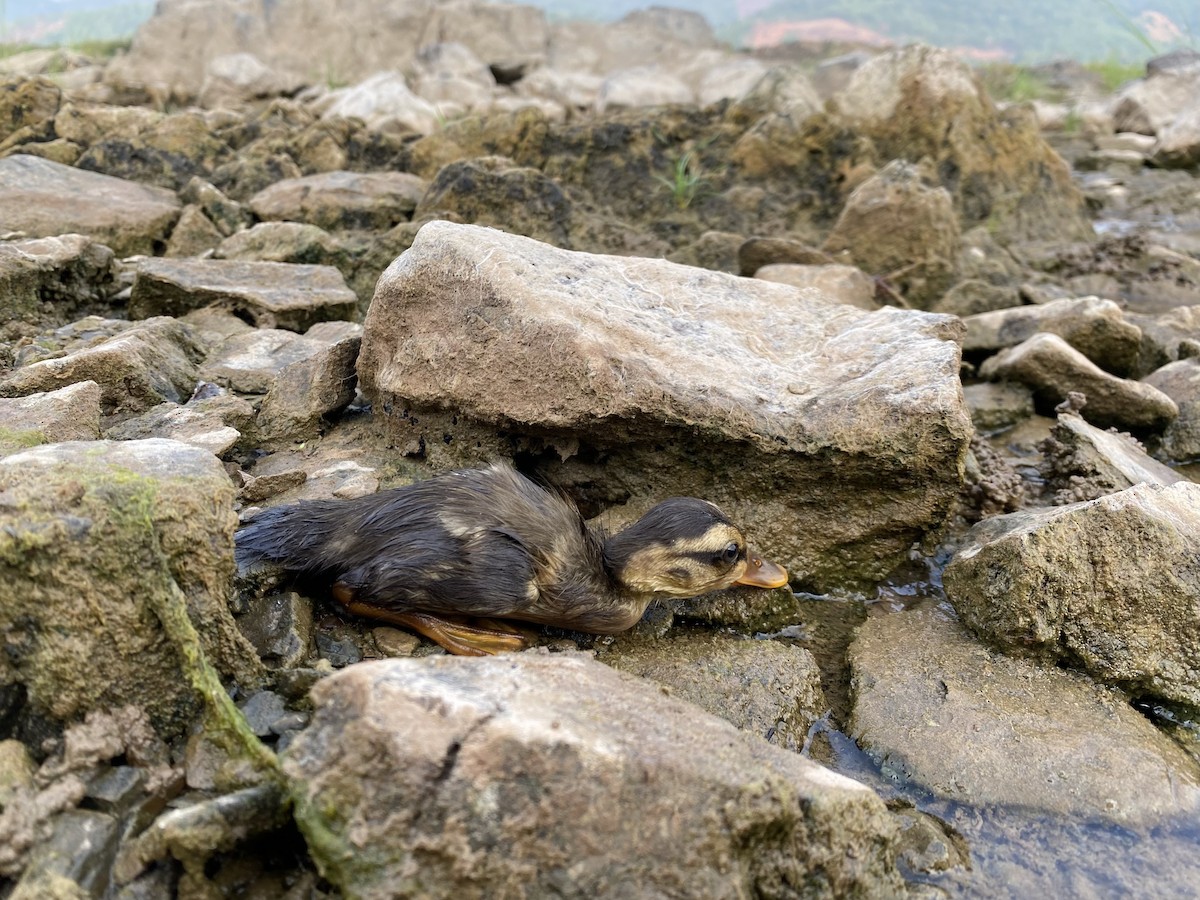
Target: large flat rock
{"points": [[1111, 586], [836, 435], [44, 198], [269, 294], [937, 708], [537, 775]]}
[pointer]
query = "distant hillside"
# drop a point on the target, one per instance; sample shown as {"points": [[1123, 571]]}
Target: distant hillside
{"points": [[1085, 30]]}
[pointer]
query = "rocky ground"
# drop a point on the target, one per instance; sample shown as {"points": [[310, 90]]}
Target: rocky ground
{"points": [[940, 357]]}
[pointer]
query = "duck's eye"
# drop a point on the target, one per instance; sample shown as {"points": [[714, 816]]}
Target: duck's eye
{"points": [[729, 555]]}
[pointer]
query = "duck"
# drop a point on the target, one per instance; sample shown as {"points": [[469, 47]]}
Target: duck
{"points": [[463, 556]]}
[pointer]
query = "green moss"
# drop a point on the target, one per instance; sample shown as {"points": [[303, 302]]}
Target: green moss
{"points": [[13, 439]]}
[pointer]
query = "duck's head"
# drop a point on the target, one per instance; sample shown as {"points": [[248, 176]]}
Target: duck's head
{"points": [[686, 547]]}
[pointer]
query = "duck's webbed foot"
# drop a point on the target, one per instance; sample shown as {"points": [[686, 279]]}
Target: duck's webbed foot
{"points": [[459, 635]]}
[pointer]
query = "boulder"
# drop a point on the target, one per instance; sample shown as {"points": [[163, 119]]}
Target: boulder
{"points": [[102, 544], [920, 102], [1151, 104], [449, 74], [167, 151], [271, 295], [43, 198], [897, 226], [71, 413], [25, 103], [558, 775], [718, 77], [655, 379], [1084, 463], [841, 284], [1163, 335], [341, 200], [1054, 369], [1109, 586], [138, 367], [764, 687], [55, 279], [935, 708], [1093, 326], [1181, 382], [1178, 145], [237, 78]]}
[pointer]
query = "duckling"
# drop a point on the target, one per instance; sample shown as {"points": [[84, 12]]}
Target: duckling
{"points": [[490, 543]]}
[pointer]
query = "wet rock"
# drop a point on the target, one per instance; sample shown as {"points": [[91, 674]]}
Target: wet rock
{"points": [[71, 413], [306, 391], [280, 627], [137, 368], [1085, 463], [897, 226], [599, 775], [271, 295], [99, 541], [997, 405], [495, 191], [936, 708], [763, 687], [251, 361], [341, 200], [117, 790], [43, 198], [338, 647], [385, 103], [1181, 382], [55, 279], [80, 851], [991, 484], [1109, 586], [1052, 368], [1094, 327], [920, 102], [840, 284], [630, 372]]}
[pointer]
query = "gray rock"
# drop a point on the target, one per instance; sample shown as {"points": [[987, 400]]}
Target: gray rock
{"points": [[973, 296], [1109, 586], [285, 242], [280, 628], [997, 405], [1052, 368], [1181, 382], [383, 102], [1149, 105], [898, 226], [676, 376], [228, 215], [305, 391], [262, 710], [117, 790], [213, 423], [342, 200], [339, 648], [98, 540], [758, 252], [840, 284], [271, 295], [1085, 463], [936, 708], [193, 235], [55, 279], [763, 687], [137, 368], [1163, 334], [71, 413], [563, 776], [1179, 141], [44, 198], [1093, 326], [81, 850]]}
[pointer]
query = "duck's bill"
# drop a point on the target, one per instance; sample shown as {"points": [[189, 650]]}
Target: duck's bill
{"points": [[762, 572]]}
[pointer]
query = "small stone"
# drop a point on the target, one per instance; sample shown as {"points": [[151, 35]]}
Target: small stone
{"points": [[279, 626], [394, 642], [264, 487], [289, 722], [117, 790], [82, 849], [338, 651], [262, 710]]}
